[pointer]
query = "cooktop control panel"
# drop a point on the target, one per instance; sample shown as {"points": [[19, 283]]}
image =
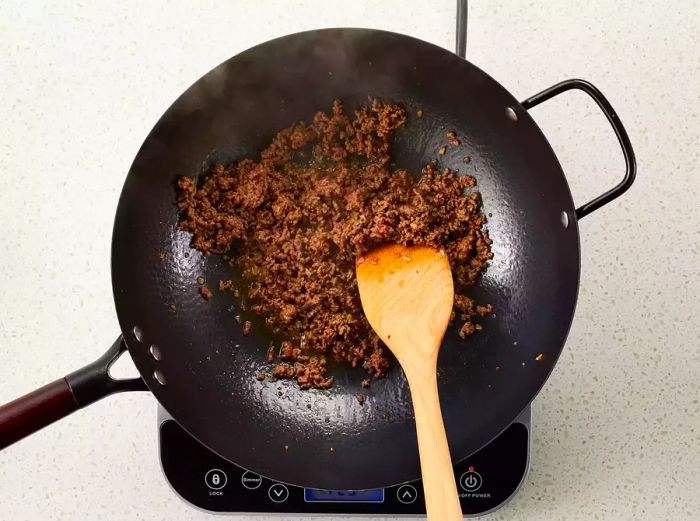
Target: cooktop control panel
{"points": [[485, 481]]}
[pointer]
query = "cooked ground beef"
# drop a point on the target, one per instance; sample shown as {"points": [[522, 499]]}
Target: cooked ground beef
{"points": [[452, 138], [295, 220], [205, 292], [247, 327]]}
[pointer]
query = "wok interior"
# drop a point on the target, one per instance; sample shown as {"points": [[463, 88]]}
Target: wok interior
{"points": [[275, 429]]}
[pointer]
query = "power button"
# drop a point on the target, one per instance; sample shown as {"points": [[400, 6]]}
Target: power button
{"points": [[470, 481]]}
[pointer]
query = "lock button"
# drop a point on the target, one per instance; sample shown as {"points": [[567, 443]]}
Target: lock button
{"points": [[215, 479]]}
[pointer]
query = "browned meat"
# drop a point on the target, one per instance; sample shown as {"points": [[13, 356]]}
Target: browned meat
{"points": [[467, 329], [205, 292], [320, 196], [484, 310], [247, 327], [225, 285], [284, 371], [287, 351], [452, 138]]}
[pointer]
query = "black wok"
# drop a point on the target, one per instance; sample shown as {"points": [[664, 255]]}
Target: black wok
{"points": [[193, 356]]}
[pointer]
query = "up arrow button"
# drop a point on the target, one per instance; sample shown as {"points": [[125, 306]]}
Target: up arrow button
{"points": [[406, 494]]}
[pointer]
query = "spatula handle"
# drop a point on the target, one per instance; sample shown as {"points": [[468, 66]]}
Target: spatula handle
{"points": [[439, 484]]}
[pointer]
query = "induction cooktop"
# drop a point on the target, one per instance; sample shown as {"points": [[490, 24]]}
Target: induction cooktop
{"points": [[485, 480]]}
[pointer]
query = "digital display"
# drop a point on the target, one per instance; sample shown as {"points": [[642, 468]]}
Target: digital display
{"points": [[337, 496]]}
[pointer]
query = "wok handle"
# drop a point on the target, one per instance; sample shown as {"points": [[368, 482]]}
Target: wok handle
{"points": [[618, 128], [35, 410], [461, 32], [60, 398]]}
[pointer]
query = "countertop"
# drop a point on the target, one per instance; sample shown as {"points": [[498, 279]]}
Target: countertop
{"points": [[617, 431]]}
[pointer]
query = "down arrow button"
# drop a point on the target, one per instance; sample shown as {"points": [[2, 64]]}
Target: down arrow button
{"points": [[278, 493]]}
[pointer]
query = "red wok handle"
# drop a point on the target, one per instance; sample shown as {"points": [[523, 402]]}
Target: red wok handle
{"points": [[56, 400], [35, 410]]}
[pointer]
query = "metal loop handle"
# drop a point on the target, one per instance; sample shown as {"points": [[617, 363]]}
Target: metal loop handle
{"points": [[618, 128], [94, 382], [461, 32]]}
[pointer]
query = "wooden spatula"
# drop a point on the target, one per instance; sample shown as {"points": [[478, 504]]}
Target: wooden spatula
{"points": [[407, 296]]}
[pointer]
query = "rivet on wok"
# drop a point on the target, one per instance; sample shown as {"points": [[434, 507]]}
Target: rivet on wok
{"points": [[564, 219], [512, 115], [155, 352], [138, 334], [159, 377]]}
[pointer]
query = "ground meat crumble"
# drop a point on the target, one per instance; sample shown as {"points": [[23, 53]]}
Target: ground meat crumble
{"points": [[295, 220], [205, 293]]}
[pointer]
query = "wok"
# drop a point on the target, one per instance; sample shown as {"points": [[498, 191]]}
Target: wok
{"points": [[192, 355]]}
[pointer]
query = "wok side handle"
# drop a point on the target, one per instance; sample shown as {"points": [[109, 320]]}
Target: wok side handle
{"points": [[461, 32], [42, 407], [618, 128]]}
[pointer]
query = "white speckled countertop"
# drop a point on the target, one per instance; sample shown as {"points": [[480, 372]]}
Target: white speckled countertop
{"points": [[617, 431]]}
